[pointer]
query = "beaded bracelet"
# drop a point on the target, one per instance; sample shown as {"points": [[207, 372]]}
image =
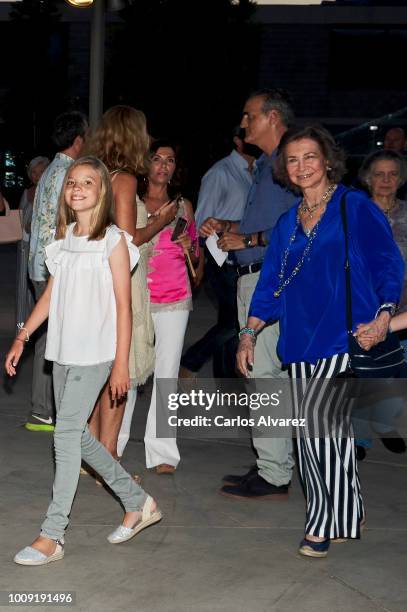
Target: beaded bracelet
{"points": [[21, 327], [248, 331], [389, 307]]}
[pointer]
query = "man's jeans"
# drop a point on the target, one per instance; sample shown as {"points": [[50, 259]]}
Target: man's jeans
{"points": [[275, 461], [42, 397], [221, 340]]}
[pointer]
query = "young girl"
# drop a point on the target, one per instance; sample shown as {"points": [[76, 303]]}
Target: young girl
{"points": [[88, 304]]}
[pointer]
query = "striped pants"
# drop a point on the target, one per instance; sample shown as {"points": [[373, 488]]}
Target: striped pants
{"points": [[327, 461]]}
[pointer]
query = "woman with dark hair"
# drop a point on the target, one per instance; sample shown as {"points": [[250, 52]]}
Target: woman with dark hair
{"points": [[303, 285], [169, 287], [382, 174]]}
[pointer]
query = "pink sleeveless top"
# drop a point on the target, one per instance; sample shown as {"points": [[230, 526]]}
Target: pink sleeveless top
{"points": [[167, 276]]}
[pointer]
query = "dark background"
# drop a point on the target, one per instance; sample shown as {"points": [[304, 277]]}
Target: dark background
{"points": [[190, 64]]}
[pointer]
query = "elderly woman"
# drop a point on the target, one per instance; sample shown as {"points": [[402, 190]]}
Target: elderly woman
{"points": [[25, 298], [303, 285], [382, 173]]}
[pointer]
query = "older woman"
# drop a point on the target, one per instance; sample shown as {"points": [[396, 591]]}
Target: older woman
{"points": [[382, 173], [25, 298], [302, 284]]}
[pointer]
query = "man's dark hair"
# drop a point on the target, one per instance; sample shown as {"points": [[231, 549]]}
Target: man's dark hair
{"points": [[67, 127], [276, 99]]}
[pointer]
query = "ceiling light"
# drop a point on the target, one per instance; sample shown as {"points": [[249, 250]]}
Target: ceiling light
{"points": [[80, 3]]}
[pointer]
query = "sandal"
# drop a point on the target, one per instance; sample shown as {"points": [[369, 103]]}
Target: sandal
{"points": [[343, 540], [148, 517], [33, 556], [164, 468], [314, 549]]}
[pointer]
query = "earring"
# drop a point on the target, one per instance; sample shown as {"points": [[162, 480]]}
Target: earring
{"points": [[329, 168]]}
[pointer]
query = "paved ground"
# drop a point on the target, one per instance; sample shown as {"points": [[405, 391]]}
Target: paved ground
{"points": [[209, 553]]}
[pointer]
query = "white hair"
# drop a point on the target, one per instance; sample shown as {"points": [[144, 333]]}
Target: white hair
{"points": [[35, 162]]}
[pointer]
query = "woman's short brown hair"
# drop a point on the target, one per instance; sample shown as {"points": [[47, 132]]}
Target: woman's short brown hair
{"points": [[333, 154]]}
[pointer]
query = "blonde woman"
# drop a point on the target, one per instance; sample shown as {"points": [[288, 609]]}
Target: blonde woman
{"points": [[122, 142]]}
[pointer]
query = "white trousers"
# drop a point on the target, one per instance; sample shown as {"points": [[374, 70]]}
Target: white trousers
{"points": [[169, 328]]}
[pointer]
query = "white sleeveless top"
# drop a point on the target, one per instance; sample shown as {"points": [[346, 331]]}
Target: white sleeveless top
{"points": [[82, 315]]}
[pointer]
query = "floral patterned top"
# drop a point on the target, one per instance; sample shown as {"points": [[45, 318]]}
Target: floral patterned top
{"points": [[398, 220], [45, 215]]}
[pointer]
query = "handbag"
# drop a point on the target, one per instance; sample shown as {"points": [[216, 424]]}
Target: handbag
{"points": [[385, 359], [10, 225]]}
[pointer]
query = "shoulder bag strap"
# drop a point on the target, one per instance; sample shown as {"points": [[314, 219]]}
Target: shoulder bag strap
{"points": [[349, 323]]}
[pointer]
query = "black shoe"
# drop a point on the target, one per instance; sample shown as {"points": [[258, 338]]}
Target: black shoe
{"points": [[36, 422], [233, 480], [394, 442], [255, 488], [360, 452]]}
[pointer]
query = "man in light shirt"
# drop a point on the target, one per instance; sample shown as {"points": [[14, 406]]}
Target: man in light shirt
{"points": [[223, 195], [69, 134]]}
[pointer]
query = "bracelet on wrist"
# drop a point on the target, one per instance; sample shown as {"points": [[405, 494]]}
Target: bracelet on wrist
{"points": [[389, 307], [248, 331], [20, 327]]}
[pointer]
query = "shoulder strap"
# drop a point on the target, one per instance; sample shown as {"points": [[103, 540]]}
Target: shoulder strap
{"points": [[349, 323]]}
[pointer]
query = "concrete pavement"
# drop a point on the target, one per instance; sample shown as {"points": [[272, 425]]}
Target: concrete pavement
{"points": [[209, 553]]}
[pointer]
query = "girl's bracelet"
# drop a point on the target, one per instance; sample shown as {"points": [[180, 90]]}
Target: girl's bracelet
{"points": [[21, 327]]}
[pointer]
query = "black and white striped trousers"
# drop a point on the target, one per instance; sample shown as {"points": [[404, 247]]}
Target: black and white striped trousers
{"points": [[327, 462]]}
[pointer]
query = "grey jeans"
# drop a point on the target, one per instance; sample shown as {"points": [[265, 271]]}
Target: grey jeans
{"points": [[274, 455], [42, 397], [76, 391]]}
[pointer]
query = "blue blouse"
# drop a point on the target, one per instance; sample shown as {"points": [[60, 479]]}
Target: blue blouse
{"points": [[312, 308]]}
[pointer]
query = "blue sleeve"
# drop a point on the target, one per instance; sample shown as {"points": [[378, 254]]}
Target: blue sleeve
{"points": [[375, 243], [264, 305], [210, 195]]}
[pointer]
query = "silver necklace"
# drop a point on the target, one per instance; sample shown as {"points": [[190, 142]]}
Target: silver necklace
{"points": [[310, 209]]}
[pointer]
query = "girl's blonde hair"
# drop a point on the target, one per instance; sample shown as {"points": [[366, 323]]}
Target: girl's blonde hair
{"points": [[121, 140], [102, 216]]}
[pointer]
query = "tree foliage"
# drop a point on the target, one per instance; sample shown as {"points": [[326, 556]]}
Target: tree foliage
{"points": [[35, 73], [188, 64]]}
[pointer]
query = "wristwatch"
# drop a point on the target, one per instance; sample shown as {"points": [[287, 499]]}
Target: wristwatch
{"points": [[248, 241], [389, 307]]}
